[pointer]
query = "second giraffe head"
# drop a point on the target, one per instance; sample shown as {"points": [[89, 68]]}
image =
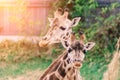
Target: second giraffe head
{"points": [[76, 51]]}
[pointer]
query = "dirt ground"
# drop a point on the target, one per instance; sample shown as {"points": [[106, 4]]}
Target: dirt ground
{"points": [[32, 75]]}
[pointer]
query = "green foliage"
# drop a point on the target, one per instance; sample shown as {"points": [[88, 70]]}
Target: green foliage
{"points": [[104, 10], [114, 5], [83, 7]]}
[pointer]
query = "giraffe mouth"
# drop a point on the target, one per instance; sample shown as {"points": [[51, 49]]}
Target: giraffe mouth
{"points": [[77, 64], [43, 43]]}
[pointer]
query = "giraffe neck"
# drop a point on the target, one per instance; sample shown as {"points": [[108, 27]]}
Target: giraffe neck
{"points": [[60, 70]]}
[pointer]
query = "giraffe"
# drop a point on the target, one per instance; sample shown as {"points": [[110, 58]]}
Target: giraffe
{"points": [[67, 65], [60, 29]]}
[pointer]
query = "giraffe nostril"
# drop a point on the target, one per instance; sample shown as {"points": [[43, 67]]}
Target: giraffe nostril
{"points": [[75, 60], [45, 38]]}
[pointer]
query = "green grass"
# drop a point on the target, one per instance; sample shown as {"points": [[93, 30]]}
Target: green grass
{"points": [[89, 70], [14, 69], [17, 58]]}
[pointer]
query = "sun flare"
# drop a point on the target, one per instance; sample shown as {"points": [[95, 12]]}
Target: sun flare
{"points": [[18, 16]]}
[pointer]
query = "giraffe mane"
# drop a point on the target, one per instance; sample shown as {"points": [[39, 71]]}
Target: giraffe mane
{"points": [[53, 65]]}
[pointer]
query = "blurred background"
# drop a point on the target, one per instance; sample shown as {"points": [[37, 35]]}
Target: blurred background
{"points": [[24, 22], [23, 17]]}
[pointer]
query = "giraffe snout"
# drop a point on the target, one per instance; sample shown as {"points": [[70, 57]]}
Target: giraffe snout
{"points": [[77, 64], [43, 43]]}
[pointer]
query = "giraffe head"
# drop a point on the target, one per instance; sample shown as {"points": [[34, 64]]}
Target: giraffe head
{"points": [[77, 49], [59, 25]]}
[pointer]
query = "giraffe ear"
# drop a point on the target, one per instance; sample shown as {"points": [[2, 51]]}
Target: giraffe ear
{"points": [[58, 12], [89, 45], [72, 36], [75, 21]]}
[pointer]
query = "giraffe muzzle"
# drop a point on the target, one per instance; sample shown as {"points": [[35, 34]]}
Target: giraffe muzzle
{"points": [[43, 43], [77, 64]]}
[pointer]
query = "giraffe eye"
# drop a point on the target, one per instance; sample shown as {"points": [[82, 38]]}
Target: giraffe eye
{"points": [[62, 28]]}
